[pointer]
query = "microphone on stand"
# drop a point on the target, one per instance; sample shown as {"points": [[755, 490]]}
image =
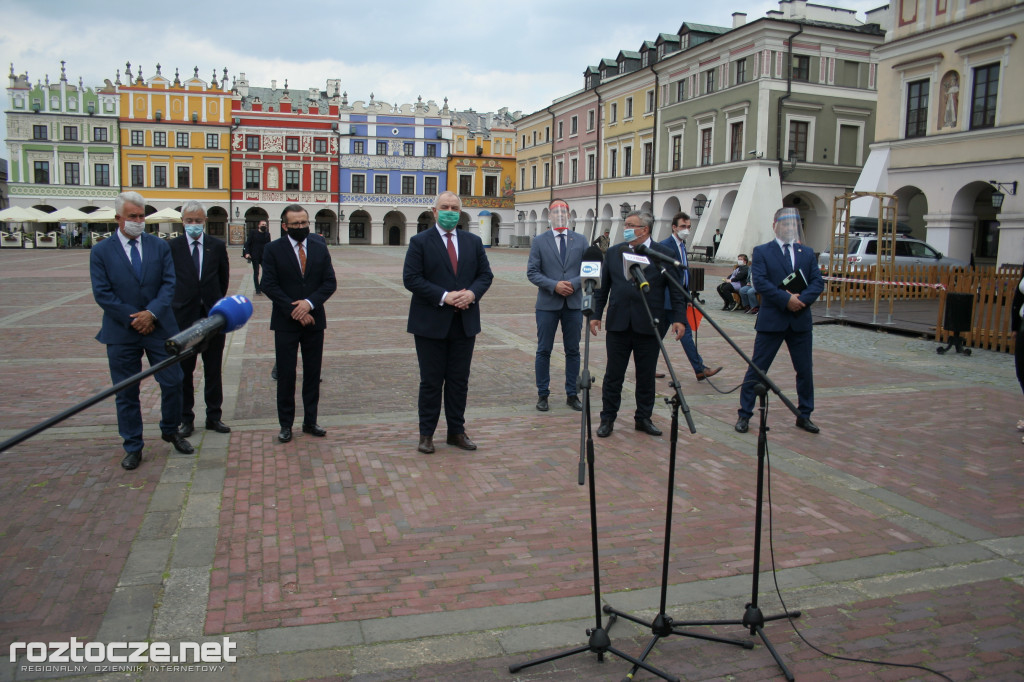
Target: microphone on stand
{"points": [[226, 315], [642, 249], [590, 275], [633, 269]]}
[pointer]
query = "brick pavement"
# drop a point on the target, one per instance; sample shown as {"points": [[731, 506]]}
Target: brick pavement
{"points": [[897, 530]]}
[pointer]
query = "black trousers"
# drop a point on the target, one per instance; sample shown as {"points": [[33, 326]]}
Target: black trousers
{"points": [[644, 349], [213, 390], [286, 349], [256, 274], [444, 377]]}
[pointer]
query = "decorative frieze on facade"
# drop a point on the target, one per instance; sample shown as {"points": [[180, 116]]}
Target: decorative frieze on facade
{"points": [[64, 191], [370, 162], [387, 200], [489, 202], [287, 197]]}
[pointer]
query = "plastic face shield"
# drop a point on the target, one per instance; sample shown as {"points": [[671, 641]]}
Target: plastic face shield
{"points": [[787, 225], [559, 216]]}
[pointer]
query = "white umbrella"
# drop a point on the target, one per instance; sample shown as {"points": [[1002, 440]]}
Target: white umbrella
{"points": [[165, 215], [103, 215], [18, 214], [68, 215]]}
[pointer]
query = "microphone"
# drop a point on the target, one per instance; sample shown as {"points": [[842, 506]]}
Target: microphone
{"points": [[227, 315], [590, 275], [632, 267], [658, 255]]}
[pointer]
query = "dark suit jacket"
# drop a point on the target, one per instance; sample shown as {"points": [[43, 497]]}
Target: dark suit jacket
{"points": [[283, 282], [545, 269], [626, 310], [255, 243], [769, 267], [194, 295], [120, 293], [428, 274], [683, 276]]}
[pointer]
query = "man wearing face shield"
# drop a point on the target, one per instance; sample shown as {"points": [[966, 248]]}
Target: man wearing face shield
{"points": [[785, 314], [554, 268]]}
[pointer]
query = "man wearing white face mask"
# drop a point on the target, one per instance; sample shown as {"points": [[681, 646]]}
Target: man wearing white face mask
{"points": [[786, 275], [201, 270], [133, 281]]}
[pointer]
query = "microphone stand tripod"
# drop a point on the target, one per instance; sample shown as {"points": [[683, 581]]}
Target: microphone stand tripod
{"points": [[599, 642], [663, 625]]}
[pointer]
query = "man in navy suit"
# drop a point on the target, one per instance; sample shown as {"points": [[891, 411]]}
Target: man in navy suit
{"points": [[447, 272], [629, 327], [133, 281], [554, 267], [677, 242], [298, 278], [784, 316], [201, 279]]}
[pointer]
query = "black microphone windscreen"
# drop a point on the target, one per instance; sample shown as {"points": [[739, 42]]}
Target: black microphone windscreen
{"points": [[593, 253]]}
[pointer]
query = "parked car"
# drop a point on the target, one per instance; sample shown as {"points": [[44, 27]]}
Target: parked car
{"points": [[863, 250]]}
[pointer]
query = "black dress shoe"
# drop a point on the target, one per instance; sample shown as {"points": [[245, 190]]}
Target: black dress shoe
{"points": [[807, 425], [186, 429], [217, 425], [742, 425], [647, 426], [573, 401], [131, 460], [461, 440], [605, 429], [179, 443], [426, 445], [285, 435], [314, 430], [273, 372], [542, 404]]}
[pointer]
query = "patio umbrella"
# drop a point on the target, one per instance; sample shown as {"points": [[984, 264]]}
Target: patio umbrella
{"points": [[165, 215], [68, 215], [103, 215], [18, 214]]}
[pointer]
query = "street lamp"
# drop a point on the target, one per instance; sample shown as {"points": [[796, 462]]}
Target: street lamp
{"points": [[625, 209], [522, 216], [699, 204], [998, 196]]}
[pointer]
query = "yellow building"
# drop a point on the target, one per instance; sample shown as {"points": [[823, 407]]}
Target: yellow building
{"points": [[481, 170], [534, 165], [628, 135], [175, 142]]}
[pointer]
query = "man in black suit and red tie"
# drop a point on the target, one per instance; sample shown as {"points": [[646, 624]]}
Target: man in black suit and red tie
{"points": [[201, 271], [447, 272], [298, 278]]}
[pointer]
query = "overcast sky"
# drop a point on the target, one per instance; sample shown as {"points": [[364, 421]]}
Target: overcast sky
{"points": [[479, 54]]}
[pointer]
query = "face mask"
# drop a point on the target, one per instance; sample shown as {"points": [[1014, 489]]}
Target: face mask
{"points": [[194, 231], [447, 220], [299, 234], [683, 233], [133, 230], [741, 262], [629, 234]]}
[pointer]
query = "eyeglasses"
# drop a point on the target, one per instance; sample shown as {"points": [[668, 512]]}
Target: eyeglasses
{"points": [[304, 223]]}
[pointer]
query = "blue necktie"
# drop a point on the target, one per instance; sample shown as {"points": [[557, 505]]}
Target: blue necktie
{"points": [[789, 258], [682, 259], [136, 258], [195, 255], [561, 247]]}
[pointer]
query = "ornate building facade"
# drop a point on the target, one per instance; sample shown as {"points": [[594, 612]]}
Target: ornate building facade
{"points": [[481, 170]]}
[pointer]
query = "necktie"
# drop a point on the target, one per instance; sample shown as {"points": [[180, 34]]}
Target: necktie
{"points": [[302, 259], [789, 257], [682, 259], [451, 253], [136, 258], [561, 247], [195, 255]]}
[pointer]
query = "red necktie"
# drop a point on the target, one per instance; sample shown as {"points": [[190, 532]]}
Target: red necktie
{"points": [[451, 253], [302, 259]]}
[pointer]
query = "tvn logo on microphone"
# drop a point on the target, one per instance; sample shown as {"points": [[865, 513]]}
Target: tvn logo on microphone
{"points": [[590, 269]]}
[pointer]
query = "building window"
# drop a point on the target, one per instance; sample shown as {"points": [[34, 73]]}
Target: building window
{"points": [[213, 178], [39, 133], [627, 162], [181, 140], [138, 138], [359, 184], [614, 163], [431, 149], [591, 166], [574, 170], [408, 184], [72, 175], [252, 178], [184, 177], [138, 175], [629, 108], [358, 147], [212, 141], [465, 185], [677, 152], [983, 98], [741, 71], [559, 175], [533, 177], [382, 148], [357, 230], [291, 179], [798, 140], [70, 133], [547, 133], [561, 129], [380, 184], [159, 138], [319, 145], [648, 158], [291, 144], [99, 134], [736, 141], [574, 125], [801, 67], [650, 101], [590, 120], [252, 143], [159, 176], [681, 90], [709, 81], [491, 186], [917, 108], [522, 178], [408, 148], [430, 186], [101, 174], [705, 147], [319, 181], [613, 115], [547, 175]]}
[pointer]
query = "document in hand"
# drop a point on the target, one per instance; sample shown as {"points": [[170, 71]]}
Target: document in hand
{"points": [[795, 282]]}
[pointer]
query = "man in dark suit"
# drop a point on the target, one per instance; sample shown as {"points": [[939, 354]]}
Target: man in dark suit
{"points": [[784, 316], [252, 251], [298, 278], [554, 267], [629, 327], [677, 243], [201, 273], [133, 281], [447, 272]]}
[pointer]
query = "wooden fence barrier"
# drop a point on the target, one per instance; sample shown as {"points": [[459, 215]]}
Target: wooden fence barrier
{"points": [[993, 290]]}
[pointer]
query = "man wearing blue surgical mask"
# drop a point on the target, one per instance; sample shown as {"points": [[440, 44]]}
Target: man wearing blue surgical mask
{"points": [[201, 270]]}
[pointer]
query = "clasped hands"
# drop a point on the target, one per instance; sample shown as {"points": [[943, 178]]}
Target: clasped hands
{"points": [[143, 322], [461, 299], [301, 314]]}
